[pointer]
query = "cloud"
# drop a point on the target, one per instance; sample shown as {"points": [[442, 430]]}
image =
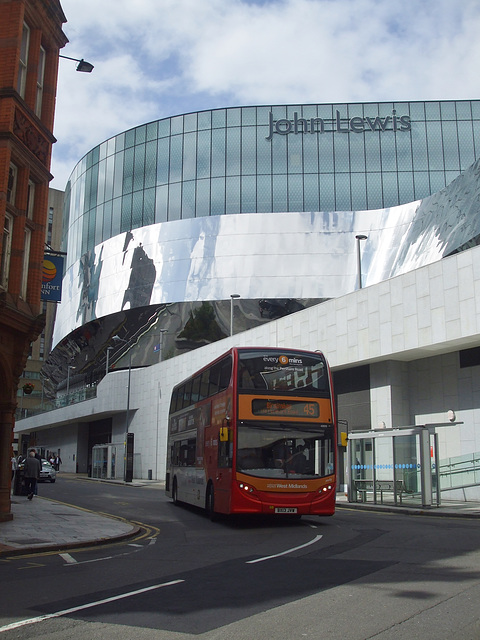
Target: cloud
{"points": [[156, 58]]}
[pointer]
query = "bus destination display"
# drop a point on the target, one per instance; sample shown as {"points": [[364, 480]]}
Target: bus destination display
{"points": [[288, 408]]}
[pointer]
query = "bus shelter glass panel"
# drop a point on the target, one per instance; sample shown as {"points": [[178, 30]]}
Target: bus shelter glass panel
{"points": [[99, 462], [362, 472], [384, 489], [104, 462], [407, 469], [435, 469]]}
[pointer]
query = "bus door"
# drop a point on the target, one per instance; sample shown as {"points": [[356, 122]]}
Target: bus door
{"points": [[223, 478]]}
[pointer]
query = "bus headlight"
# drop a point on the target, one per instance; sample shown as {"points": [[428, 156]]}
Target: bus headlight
{"points": [[246, 487], [325, 489]]}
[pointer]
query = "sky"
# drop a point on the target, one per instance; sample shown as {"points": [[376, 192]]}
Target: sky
{"points": [[160, 58]]}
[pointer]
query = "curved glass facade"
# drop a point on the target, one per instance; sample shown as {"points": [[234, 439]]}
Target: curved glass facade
{"points": [[335, 157]]}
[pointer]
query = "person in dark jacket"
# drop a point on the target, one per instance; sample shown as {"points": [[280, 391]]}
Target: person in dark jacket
{"points": [[31, 473], [58, 462], [39, 458]]}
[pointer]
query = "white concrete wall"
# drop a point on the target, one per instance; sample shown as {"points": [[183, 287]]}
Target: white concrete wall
{"points": [[64, 438]]}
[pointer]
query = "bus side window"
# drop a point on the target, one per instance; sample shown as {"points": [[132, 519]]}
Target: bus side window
{"points": [[187, 452], [175, 453], [191, 452], [173, 401], [187, 396], [196, 390], [213, 387], [204, 385], [225, 374], [179, 398]]}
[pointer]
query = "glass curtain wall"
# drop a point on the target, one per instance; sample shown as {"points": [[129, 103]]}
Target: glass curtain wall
{"points": [[338, 157]]}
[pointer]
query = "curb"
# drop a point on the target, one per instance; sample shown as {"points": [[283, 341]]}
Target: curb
{"points": [[406, 511], [16, 551]]}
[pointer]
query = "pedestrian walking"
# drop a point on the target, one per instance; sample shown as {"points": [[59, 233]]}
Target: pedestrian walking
{"points": [[14, 466], [39, 458], [58, 462], [31, 473]]}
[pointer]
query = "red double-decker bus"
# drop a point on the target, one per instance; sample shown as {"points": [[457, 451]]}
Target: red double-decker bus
{"points": [[254, 432]]}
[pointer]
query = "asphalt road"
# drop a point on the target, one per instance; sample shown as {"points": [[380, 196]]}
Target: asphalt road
{"points": [[354, 576]]}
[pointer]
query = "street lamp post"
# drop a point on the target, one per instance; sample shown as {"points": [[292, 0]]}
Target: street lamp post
{"points": [[107, 366], [68, 378], [232, 298], [359, 238], [162, 332], [118, 339]]}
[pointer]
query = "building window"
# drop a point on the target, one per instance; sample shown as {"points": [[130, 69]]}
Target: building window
{"points": [[6, 250], [50, 226], [30, 199], [22, 65], [40, 76], [469, 357], [12, 183], [26, 260]]}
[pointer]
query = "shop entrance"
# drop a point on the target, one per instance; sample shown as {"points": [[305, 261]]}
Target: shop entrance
{"points": [[394, 466]]}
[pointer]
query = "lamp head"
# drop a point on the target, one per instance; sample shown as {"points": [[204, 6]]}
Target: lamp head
{"points": [[84, 66]]}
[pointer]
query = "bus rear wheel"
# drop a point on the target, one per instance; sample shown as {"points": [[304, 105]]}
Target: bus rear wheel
{"points": [[175, 492], [210, 503]]}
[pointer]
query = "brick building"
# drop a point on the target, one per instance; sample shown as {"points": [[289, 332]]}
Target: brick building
{"points": [[30, 39]]}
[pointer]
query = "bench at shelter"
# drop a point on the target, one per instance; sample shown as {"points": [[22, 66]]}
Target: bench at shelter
{"points": [[380, 486]]}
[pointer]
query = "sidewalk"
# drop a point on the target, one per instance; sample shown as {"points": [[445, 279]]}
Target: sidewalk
{"points": [[42, 524], [46, 525]]}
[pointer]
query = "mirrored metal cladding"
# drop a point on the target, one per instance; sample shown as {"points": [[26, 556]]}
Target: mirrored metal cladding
{"points": [[164, 223], [154, 333], [281, 255]]}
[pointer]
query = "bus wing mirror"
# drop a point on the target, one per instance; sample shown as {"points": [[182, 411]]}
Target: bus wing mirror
{"points": [[223, 435]]}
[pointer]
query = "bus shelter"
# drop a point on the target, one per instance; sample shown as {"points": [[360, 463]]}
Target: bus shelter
{"points": [[104, 461], [395, 466]]}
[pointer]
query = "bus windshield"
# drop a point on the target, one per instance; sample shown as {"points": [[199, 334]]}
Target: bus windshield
{"points": [[282, 372], [285, 450]]}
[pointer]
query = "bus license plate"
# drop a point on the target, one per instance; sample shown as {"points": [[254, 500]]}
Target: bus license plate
{"points": [[285, 510]]}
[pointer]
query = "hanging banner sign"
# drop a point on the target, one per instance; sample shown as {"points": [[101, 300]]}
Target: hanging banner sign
{"points": [[52, 275]]}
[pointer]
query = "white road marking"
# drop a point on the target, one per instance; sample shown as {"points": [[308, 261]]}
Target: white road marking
{"points": [[68, 558], [284, 553], [66, 612], [137, 547]]}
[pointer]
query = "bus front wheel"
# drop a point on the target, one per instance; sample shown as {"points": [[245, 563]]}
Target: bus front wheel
{"points": [[210, 503]]}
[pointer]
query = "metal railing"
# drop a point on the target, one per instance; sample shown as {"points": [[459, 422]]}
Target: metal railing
{"points": [[459, 472], [73, 397]]}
